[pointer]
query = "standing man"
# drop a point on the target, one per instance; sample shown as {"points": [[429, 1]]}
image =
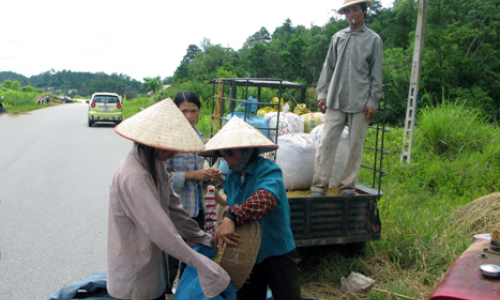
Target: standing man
{"points": [[349, 88]]}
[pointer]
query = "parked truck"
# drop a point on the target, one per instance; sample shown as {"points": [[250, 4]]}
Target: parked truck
{"points": [[323, 220]]}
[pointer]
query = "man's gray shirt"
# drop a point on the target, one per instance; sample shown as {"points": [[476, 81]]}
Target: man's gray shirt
{"points": [[351, 77]]}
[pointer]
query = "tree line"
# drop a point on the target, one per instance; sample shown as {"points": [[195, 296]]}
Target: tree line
{"points": [[461, 59], [85, 83]]}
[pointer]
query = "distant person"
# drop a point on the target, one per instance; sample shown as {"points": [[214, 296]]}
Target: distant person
{"points": [[2, 110], [349, 89], [145, 216], [188, 177], [47, 99]]}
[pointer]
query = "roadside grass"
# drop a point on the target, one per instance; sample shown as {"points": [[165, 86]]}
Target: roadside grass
{"points": [[133, 106], [19, 102], [455, 160]]}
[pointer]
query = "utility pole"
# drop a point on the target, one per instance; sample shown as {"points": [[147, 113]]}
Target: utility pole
{"points": [[411, 111]]}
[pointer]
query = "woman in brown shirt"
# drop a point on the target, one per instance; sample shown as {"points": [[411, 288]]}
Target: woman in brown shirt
{"points": [[145, 214]]}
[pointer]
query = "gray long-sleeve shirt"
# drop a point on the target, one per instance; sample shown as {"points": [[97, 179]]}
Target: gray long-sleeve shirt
{"points": [[351, 77], [144, 220]]}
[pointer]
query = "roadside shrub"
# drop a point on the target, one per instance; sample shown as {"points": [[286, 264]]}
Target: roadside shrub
{"points": [[452, 128]]}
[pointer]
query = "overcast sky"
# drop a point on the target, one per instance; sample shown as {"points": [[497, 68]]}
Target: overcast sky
{"points": [[145, 38]]}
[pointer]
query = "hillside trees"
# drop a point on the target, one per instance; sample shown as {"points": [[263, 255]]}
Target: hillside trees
{"points": [[461, 53], [461, 58], [85, 83], [152, 84]]}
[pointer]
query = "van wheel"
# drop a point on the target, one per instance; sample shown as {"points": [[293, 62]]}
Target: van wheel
{"points": [[90, 123]]}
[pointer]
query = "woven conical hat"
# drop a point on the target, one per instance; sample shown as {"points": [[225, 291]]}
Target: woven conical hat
{"points": [[238, 134], [348, 3], [238, 261], [162, 126]]}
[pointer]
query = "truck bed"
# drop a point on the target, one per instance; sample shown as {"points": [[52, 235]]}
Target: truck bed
{"points": [[333, 219]]}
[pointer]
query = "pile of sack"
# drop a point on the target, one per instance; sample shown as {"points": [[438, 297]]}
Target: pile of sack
{"points": [[298, 136]]}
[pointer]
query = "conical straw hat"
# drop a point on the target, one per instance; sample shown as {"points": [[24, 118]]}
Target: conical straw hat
{"points": [[348, 3], [238, 261], [238, 134], [162, 126]]}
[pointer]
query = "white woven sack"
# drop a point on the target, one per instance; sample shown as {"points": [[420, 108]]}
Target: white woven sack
{"points": [[340, 155], [295, 156], [288, 123]]}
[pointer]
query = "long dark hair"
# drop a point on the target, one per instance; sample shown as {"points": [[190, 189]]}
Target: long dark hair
{"points": [[151, 159], [187, 96]]}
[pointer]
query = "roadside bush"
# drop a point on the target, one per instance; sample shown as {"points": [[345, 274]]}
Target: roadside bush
{"points": [[452, 128], [18, 98]]}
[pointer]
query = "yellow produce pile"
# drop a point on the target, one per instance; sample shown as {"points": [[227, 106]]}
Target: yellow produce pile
{"points": [[480, 216], [306, 193]]}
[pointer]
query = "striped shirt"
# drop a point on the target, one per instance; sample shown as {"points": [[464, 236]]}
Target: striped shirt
{"points": [[210, 210], [190, 191]]}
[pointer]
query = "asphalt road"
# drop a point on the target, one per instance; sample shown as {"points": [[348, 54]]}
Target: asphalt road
{"points": [[54, 185]]}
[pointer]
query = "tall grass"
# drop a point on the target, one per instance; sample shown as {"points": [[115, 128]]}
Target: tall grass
{"points": [[19, 101], [455, 160]]}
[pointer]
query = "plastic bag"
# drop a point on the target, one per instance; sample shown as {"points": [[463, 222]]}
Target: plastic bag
{"points": [[250, 108], [288, 123], [263, 111], [189, 288], [312, 120], [301, 109], [295, 157], [253, 120]]}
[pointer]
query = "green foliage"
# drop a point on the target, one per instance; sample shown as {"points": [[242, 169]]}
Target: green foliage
{"points": [[461, 53], [452, 129], [27, 89], [455, 160], [151, 84], [84, 82], [135, 105], [15, 101]]}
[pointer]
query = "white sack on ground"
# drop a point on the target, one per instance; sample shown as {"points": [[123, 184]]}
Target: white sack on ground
{"points": [[295, 156], [340, 156], [288, 123]]}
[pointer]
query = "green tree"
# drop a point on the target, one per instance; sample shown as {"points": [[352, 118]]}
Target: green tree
{"points": [[27, 89], [151, 84], [260, 37], [293, 57], [7, 84], [257, 64]]}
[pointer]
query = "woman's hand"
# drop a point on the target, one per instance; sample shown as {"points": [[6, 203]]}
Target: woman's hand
{"points": [[226, 234], [215, 173], [203, 175]]}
